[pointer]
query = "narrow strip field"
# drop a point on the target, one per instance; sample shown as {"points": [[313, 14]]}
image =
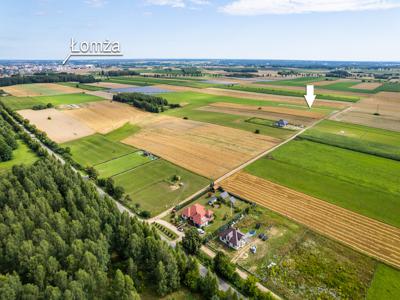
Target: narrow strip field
{"points": [[369, 236]]}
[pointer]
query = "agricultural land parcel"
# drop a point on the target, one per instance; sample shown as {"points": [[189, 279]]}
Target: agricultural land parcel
{"points": [[17, 103], [194, 105], [206, 149], [39, 89], [143, 81]]}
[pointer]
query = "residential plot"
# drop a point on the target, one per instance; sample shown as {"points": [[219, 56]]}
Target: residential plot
{"points": [[39, 89], [152, 187], [366, 235], [59, 126]]}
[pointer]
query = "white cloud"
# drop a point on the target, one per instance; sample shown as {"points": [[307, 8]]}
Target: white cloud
{"points": [[264, 7], [172, 3], [95, 3], [178, 3]]}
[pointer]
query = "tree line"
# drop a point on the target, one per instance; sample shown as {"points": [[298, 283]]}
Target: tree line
{"points": [[8, 140], [150, 103], [46, 78]]}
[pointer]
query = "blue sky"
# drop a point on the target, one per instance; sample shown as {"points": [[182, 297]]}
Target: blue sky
{"points": [[249, 29]]}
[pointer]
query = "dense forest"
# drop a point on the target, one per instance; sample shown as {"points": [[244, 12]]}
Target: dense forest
{"points": [[145, 102], [60, 240], [113, 73], [8, 141], [46, 78]]}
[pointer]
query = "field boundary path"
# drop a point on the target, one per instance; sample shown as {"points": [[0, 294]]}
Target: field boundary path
{"points": [[369, 236]]}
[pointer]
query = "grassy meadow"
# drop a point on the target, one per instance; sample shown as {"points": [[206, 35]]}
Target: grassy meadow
{"points": [[143, 81], [21, 155], [360, 182], [359, 138], [385, 284], [95, 149], [302, 81], [83, 86], [150, 185]]}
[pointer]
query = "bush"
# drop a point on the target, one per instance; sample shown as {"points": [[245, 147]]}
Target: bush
{"points": [[145, 214]]}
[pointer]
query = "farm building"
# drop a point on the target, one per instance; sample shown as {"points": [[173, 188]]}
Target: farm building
{"points": [[281, 123], [198, 215], [212, 200], [233, 238], [224, 195]]}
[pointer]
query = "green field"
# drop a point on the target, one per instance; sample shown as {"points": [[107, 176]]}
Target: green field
{"points": [[38, 89], [21, 155], [346, 86], [17, 103], [385, 284], [122, 132], [143, 81], [302, 81], [360, 138], [83, 86], [95, 149], [193, 101], [389, 87], [150, 185], [363, 183], [276, 91], [121, 164]]}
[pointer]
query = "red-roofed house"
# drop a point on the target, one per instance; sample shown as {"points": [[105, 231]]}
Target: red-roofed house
{"points": [[198, 214]]}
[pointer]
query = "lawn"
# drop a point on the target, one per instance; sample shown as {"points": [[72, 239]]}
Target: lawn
{"points": [[302, 81], [21, 155], [385, 284], [17, 103], [150, 185], [363, 183], [182, 294], [192, 101], [96, 149], [123, 132], [277, 91], [360, 138], [121, 164]]}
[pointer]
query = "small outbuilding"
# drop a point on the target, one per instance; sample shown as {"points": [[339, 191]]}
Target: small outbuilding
{"points": [[281, 123]]}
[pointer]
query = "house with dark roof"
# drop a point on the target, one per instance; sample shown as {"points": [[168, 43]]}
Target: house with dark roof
{"points": [[233, 238], [198, 215]]}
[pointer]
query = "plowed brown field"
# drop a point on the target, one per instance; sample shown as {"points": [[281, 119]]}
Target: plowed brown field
{"points": [[369, 236]]}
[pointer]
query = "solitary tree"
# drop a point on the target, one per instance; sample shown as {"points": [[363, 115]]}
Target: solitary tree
{"points": [[191, 242]]}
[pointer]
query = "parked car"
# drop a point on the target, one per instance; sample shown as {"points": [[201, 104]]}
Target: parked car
{"points": [[201, 231]]}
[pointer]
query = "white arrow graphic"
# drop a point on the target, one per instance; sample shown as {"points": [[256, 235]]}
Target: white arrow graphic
{"points": [[310, 97]]}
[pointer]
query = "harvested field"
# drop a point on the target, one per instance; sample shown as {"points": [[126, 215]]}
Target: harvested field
{"points": [[105, 116], [294, 116], [40, 89], [366, 235], [387, 104], [367, 85], [206, 149], [102, 94], [60, 127], [326, 82], [111, 85], [255, 96]]}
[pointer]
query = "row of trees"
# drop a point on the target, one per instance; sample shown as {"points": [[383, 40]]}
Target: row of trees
{"points": [[113, 73], [148, 103], [8, 141], [46, 78]]}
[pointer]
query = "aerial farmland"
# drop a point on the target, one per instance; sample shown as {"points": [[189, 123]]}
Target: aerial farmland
{"points": [[294, 181]]}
